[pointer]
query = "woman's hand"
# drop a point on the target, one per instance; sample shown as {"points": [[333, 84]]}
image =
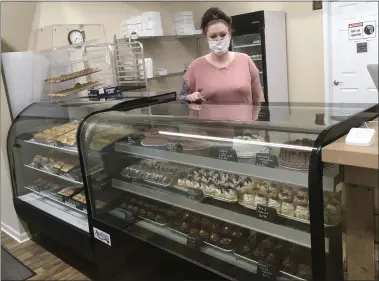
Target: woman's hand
{"points": [[195, 97]]}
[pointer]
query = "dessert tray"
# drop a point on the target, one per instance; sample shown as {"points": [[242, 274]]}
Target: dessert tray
{"points": [[76, 89], [288, 201], [76, 74], [246, 150]]}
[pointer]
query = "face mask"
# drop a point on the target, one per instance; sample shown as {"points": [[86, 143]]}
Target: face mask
{"points": [[219, 47]]}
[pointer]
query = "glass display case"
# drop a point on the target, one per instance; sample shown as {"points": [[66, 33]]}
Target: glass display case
{"points": [[216, 186], [45, 166]]}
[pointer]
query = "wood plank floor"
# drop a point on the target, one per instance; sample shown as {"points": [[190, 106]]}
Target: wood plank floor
{"points": [[46, 265]]}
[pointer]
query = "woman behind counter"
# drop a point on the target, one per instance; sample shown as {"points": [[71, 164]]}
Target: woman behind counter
{"points": [[221, 76]]}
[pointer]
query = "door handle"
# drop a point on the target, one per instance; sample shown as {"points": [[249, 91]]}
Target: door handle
{"points": [[336, 83]]}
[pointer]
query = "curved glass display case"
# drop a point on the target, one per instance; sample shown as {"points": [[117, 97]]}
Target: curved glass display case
{"points": [[216, 186], [45, 166]]}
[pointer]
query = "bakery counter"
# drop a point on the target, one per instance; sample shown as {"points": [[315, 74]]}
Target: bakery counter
{"points": [[359, 173], [244, 199]]}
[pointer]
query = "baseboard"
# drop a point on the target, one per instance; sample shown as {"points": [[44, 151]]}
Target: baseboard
{"points": [[19, 237]]}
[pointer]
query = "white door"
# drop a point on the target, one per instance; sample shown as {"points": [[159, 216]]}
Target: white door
{"points": [[354, 44]]}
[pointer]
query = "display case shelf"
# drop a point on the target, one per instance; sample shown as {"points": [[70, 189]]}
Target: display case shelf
{"points": [[70, 150], [48, 195], [281, 232], [247, 265], [279, 174], [57, 210], [54, 175]]}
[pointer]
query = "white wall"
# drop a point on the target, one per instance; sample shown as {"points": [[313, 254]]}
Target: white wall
{"points": [[16, 26]]}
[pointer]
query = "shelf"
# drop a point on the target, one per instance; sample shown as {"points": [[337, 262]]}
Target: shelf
{"points": [[59, 211], [78, 75], [278, 231], [54, 175], [229, 257], [73, 151], [167, 75], [246, 46], [279, 174], [47, 195], [169, 37]]}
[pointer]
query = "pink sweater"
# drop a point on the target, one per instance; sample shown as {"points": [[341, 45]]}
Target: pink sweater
{"points": [[230, 84]]}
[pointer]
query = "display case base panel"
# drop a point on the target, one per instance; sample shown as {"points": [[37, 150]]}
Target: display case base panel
{"points": [[57, 210], [226, 264]]}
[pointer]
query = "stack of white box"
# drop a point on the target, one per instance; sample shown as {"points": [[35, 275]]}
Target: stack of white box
{"points": [[147, 24], [184, 24]]}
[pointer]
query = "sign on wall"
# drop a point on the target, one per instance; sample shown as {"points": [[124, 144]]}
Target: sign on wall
{"points": [[362, 30]]}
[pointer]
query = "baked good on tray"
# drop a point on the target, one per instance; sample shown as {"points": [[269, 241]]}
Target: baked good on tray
{"points": [[154, 138], [213, 183], [294, 158], [249, 150], [53, 133], [76, 74]]}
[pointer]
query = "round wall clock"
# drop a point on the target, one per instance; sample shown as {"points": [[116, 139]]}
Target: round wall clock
{"points": [[75, 36]]}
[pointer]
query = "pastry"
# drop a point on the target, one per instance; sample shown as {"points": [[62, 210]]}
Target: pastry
{"points": [[301, 197], [259, 254], [244, 149], [333, 211], [226, 243], [289, 265], [266, 186], [302, 211], [203, 233], [273, 259], [274, 202], [248, 198], [77, 88], [80, 197], [288, 209], [260, 198], [225, 229], [304, 271], [214, 238], [73, 75]]}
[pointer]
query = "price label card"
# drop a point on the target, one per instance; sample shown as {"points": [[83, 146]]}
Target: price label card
{"points": [[134, 140], [174, 146], [267, 271], [266, 160], [227, 154], [266, 213], [130, 217], [194, 242]]}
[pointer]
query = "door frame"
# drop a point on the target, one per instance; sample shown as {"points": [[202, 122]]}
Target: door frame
{"points": [[327, 43]]}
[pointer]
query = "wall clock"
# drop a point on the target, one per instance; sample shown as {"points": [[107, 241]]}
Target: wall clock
{"points": [[75, 37]]}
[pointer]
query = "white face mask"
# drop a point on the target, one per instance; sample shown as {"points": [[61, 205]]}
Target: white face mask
{"points": [[219, 47]]}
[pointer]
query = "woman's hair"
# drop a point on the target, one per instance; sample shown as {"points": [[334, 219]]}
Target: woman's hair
{"points": [[214, 15]]}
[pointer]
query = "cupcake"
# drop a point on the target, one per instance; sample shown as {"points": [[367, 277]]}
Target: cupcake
{"points": [[333, 211], [248, 198], [289, 265], [214, 238], [304, 271], [301, 197], [230, 194]]}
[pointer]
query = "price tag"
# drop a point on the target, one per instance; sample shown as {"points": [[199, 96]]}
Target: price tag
{"points": [[194, 242], [266, 213], [130, 217], [134, 140], [228, 154], [266, 160], [267, 271], [174, 146]]}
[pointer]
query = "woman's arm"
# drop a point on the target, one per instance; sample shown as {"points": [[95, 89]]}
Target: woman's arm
{"points": [[184, 92]]}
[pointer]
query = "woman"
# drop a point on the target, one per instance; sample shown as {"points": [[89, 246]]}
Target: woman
{"points": [[221, 76]]}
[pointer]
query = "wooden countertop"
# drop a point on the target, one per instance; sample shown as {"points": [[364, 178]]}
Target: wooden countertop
{"points": [[340, 153]]}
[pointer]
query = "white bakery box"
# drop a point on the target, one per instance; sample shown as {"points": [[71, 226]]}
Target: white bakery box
{"points": [[146, 24]]}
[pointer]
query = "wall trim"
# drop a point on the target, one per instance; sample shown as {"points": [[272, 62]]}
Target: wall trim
{"points": [[16, 235]]}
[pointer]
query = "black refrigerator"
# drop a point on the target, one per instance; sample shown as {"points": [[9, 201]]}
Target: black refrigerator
{"points": [[262, 35]]}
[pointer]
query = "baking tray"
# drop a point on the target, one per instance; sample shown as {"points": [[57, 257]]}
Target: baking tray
{"points": [[285, 216], [78, 75], [218, 248], [293, 277], [154, 222], [177, 231]]}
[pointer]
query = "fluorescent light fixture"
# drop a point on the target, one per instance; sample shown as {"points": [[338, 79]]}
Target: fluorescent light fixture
{"points": [[209, 138]]}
